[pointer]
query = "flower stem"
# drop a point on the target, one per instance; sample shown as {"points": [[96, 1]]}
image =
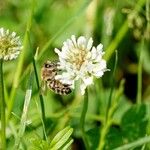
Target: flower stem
{"points": [[139, 79], [112, 85], [107, 124], [34, 57], [2, 104], [41, 100], [134, 144], [82, 120]]}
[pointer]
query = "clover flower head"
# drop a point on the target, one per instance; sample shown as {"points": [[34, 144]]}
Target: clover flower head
{"points": [[10, 45], [80, 60]]}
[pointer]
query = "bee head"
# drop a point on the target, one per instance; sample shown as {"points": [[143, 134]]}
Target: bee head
{"points": [[48, 64]]}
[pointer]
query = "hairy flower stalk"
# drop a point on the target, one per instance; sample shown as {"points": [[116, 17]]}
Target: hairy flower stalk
{"points": [[10, 45], [80, 60]]}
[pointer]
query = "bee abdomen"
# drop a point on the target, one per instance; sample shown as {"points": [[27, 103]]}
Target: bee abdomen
{"points": [[59, 88], [48, 73]]}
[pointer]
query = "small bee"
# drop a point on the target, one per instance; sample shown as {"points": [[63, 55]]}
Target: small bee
{"points": [[48, 73]]}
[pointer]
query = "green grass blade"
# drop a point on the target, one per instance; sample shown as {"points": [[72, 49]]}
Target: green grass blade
{"points": [[139, 79], [61, 137], [66, 147], [24, 113], [134, 144], [112, 85], [19, 68]]}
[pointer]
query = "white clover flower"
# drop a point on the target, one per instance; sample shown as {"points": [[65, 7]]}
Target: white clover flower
{"points": [[10, 45], [80, 60]]}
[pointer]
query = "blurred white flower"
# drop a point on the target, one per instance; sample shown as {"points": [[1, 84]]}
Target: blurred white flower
{"points": [[10, 45], [80, 60]]}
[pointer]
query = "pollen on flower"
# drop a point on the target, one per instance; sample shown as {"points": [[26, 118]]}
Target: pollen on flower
{"points": [[10, 45], [80, 60]]}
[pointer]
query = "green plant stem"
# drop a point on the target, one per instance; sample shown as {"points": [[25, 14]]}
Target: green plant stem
{"points": [[112, 86], [24, 113], [41, 99], [38, 86], [2, 104], [82, 120], [121, 33], [135, 144], [139, 79], [19, 68], [111, 111], [148, 16]]}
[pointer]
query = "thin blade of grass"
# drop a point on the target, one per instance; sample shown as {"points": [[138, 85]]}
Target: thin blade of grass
{"points": [[19, 67], [66, 147], [61, 139], [112, 85], [134, 144], [139, 79], [38, 86], [24, 113], [108, 123]]}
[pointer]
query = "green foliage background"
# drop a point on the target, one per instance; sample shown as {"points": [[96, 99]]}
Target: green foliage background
{"points": [[122, 25]]}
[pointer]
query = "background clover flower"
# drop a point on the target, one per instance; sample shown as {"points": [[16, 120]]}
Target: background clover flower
{"points": [[10, 45], [80, 60]]}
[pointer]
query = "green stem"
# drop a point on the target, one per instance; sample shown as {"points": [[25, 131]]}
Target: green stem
{"points": [[2, 104], [82, 120], [19, 68], [135, 144], [108, 123], [24, 113], [112, 85], [139, 79], [38, 86], [41, 99]]}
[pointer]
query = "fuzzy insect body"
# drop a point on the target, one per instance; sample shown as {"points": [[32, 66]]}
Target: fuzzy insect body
{"points": [[48, 73]]}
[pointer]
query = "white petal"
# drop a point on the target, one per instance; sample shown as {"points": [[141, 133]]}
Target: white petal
{"points": [[88, 81], [2, 32], [57, 51], [99, 74], [82, 88], [94, 54], [73, 38], [89, 44], [7, 32], [103, 64], [13, 34], [81, 42], [70, 44], [72, 85], [100, 47], [99, 68], [88, 55]]}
